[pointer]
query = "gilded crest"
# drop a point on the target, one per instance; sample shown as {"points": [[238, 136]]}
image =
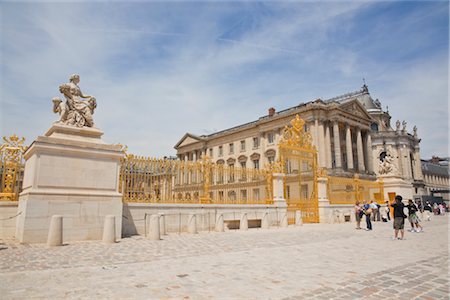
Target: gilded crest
{"points": [[296, 136]]}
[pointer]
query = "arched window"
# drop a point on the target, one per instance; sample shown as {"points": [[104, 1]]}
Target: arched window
{"points": [[374, 127]]}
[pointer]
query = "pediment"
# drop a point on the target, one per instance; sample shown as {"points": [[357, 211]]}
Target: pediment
{"points": [[187, 139], [355, 108]]}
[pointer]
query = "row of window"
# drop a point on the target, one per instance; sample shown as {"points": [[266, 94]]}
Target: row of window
{"points": [[243, 146]]}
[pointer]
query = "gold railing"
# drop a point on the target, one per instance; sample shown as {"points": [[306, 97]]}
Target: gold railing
{"points": [[172, 181], [349, 190], [11, 167]]}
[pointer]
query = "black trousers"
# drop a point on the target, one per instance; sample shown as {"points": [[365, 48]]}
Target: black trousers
{"points": [[368, 222]]}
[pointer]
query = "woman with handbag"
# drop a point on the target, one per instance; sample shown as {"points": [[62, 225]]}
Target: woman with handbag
{"points": [[358, 214], [368, 212]]}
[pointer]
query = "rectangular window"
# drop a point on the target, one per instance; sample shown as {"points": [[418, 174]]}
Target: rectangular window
{"points": [[255, 143], [270, 137], [231, 148], [255, 194], [244, 195], [256, 163], [271, 159], [243, 145], [210, 152], [220, 151], [243, 164]]}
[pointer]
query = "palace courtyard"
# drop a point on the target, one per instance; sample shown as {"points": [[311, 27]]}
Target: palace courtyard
{"points": [[313, 261]]}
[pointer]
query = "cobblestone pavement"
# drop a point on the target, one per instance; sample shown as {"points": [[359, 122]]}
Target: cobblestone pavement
{"points": [[314, 261]]}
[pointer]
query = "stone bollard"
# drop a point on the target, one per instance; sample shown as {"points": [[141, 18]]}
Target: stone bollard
{"points": [[162, 224], [154, 231], [109, 229], [192, 224], [284, 220], [55, 232], [243, 223], [265, 221], [298, 218], [219, 223]]}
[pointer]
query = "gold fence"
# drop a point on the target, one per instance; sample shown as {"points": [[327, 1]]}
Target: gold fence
{"points": [[349, 190], [11, 167], [172, 181]]}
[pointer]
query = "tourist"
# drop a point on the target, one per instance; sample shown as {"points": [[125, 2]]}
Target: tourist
{"points": [[441, 209], [435, 208], [385, 212], [368, 212], [358, 214], [399, 217], [375, 211], [413, 218], [427, 211]]}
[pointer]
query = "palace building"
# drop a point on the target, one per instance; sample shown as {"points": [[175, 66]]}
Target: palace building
{"points": [[351, 132]]}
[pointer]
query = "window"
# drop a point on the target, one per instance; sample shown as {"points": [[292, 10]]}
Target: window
{"points": [[231, 175], [270, 137], [243, 176], [256, 194], [256, 163], [231, 148], [243, 145], [244, 195], [255, 143], [220, 151], [271, 159], [243, 164], [210, 152]]}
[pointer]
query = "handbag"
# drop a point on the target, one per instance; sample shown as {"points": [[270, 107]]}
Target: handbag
{"points": [[368, 211]]}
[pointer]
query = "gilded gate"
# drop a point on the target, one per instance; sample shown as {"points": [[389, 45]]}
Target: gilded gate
{"points": [[11, 167], [298, 159]]}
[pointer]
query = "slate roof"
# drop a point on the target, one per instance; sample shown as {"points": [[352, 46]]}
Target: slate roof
{"points": [[435, 169]]}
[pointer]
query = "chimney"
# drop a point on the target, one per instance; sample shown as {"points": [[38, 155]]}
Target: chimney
{"points": [[271, 111]]}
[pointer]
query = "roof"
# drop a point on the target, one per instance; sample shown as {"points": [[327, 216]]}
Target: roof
{"points": [[362, 96], [435, 169]]}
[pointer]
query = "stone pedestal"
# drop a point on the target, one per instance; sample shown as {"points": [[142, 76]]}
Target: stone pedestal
{"points": [[70, 172], [395, 184], [324, 203]]}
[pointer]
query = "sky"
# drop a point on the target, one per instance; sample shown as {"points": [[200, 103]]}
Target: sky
{"points": [[161, 69]]}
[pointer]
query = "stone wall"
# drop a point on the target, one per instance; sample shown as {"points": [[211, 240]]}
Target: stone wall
{"points": [[8, 219], [136, 215]]}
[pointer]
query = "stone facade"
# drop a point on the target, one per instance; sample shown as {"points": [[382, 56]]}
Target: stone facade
{"points": [[351, 132]]}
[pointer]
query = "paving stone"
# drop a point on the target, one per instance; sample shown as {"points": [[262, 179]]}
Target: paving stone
{"points": [[314, 261]]}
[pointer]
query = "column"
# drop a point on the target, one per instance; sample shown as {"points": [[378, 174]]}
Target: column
{"points": [[328, 146], [348, 148], [194, 156], [313, 132], [337, 145], [359, 150], [322, 146], [369, 153]]}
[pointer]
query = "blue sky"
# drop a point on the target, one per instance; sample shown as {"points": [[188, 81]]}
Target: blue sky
{"points": [[161, 69]]}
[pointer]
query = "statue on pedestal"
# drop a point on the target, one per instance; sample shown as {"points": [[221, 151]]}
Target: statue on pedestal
{"points": [[75, 111]]}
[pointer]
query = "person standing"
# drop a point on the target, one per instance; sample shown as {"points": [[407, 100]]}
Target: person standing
{"points": [[368, 212], [385, 212], [412, 217], [374, 208], [427, 211], [399, 217], [358, 214]]}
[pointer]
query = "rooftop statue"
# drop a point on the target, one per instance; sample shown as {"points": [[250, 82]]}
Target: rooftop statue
{"points": [[75, 111]]}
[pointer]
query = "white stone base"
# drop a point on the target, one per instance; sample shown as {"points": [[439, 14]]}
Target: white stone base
{"points": [[70, 172], [395, 184]]}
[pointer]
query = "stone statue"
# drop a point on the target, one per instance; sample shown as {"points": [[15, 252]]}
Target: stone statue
{"points": [[404, 126], [397, 124], [75, 111], [387, 165], [415, 131]]}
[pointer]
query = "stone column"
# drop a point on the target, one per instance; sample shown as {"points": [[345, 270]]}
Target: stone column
{"points": [[321, 146], [369, 153], [359, 150], [328, 147], [337, 145], [194, 156], [278, 190], [348, 144], [313, 131]]}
